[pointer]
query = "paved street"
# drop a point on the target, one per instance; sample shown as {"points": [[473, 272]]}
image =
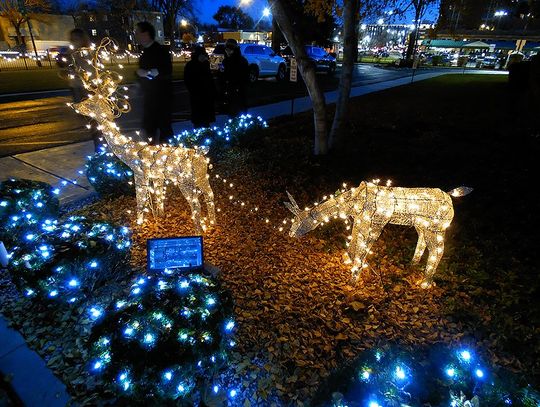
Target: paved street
{"points": [[30, 122]]}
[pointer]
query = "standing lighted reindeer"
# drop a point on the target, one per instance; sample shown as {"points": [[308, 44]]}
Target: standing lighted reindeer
{"points": [[371, 207], [153, 166]]}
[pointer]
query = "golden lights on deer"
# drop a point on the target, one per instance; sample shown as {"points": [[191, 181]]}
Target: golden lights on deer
{"points": [[371, 207], [154, 167]]}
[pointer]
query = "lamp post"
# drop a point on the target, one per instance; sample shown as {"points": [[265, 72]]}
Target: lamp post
{"points": [[499, 14], [185, 23]]}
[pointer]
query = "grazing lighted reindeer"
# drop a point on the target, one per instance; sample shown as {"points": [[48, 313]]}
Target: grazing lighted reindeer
{"points": [[371, 207], [153, 166]]}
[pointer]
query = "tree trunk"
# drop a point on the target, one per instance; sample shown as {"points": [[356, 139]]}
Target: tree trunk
{"points": [[284, 16], [18, 34], [413, 37], [276, 36], [351, 10]]}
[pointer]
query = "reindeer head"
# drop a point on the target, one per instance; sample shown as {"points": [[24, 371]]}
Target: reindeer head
{"points": [[95, 108], [106, 100], [303, 221]]}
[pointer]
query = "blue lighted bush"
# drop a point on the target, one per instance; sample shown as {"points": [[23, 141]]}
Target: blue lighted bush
{"points": [[53, 258], [24, 204], [430, 376], [166, 341], [109, 175], [239, 131]]}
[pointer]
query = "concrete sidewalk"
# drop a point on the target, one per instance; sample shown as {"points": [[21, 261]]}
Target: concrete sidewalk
{"points": [[30, 378], [61, 165]]}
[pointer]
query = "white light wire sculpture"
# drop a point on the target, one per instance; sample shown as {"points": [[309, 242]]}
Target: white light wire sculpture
{"points": [[371, 207], [153, 166]]}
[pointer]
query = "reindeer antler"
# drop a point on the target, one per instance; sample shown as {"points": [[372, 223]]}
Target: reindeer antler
{"points": [[100, 82], [292, 205]]}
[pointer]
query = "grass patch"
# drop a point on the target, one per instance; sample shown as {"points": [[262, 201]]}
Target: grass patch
{"points": [[377, 60], [48, 79]]}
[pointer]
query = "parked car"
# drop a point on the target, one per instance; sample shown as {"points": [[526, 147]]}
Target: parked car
{"points": [[263, 61], [488, 62], [324, 62]]}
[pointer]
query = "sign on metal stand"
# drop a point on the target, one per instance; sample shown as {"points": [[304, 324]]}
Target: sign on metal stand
{"points": [[294, 70], [293, 77]]}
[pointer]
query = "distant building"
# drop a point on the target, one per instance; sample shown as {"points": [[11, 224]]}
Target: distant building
{"points": [[493, 15], [49, 31], [100, 24], [389, 35], [256, 37], [500, 25]]}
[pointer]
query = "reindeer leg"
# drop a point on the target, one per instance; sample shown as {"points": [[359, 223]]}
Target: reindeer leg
{"points": [[159, 196], [192, 198], [435, 244], [141, 194], [196, 214], [209, 199], [353, 245], [368, 233], [420, 245]]}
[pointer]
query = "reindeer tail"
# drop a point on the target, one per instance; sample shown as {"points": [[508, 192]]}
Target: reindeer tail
{"points": [[460, 191]]}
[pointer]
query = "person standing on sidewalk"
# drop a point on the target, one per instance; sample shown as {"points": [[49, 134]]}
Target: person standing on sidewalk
{"points": [[155, 78], [236, 78], [200, 84]]}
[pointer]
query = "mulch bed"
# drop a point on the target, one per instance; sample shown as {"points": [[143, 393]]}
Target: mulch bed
{"points": [[298, 314]]}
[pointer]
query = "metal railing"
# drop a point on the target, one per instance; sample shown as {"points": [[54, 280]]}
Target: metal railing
{"points": [[18, 61]]}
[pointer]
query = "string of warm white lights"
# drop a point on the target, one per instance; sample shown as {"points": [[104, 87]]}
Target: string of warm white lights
{"points": [[372, 207], [154, 167]]}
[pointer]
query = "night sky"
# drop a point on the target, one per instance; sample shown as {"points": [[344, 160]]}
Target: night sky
{"points": [[207, 8]]}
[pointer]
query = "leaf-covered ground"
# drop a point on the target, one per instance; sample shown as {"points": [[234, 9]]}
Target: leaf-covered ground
{"points": [[298, 314]]}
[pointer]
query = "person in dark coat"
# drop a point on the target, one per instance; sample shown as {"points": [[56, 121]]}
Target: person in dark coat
{"points": [[155, 77], [200, 84], [235, 78]]}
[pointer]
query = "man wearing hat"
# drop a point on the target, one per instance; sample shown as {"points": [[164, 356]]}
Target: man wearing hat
{"points": [[235, 78]]}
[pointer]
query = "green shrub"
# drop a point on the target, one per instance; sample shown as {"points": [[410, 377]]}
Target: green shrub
{"points": [[54, 258], [109, 175], [168, 340], [429, 376], [240, 131], [24, 205]]}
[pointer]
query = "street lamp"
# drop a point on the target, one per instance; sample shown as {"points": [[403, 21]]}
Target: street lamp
{"points": [[500, 14], [265, 14], [184, 22]]}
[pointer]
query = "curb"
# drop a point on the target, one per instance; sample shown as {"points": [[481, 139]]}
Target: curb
{"points": [[32, 381]]}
